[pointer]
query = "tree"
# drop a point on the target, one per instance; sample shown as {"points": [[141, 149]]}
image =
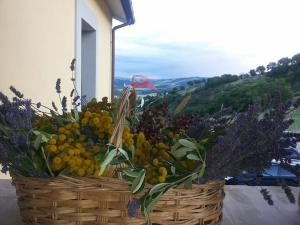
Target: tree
{"points": [[252, 73], [271, 66], [260, 70], [296, 59], [284, 62], [190, 83]]}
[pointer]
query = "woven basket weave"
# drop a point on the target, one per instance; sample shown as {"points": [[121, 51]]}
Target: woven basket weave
{"points": [[90, 201], [200, 205], [73, 201]]}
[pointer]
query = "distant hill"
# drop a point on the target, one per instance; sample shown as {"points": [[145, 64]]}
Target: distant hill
{"points": [[238, 91], [162, 85]]}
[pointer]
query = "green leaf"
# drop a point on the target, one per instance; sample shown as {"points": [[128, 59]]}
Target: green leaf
{"points": [[138, 181], [150, 204], [173, 170], [37, 142], [45, 137], [174, 147], [100, 156], [131, 173], [132, 148], [124, 153], [193, 157], [109, 157], [158, 188], [187, 143], [76, 115], [202, 170], [181, 152], [188, 183]]}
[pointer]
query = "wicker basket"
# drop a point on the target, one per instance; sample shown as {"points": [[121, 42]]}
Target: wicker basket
{"points": [[103, 200], [200, 205], [89, 201], [73, 201]]}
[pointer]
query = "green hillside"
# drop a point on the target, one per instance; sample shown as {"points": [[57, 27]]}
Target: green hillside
{"points": [[240, 91]]}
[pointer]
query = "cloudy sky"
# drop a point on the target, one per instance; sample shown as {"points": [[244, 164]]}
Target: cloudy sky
{"points": [[177, 38]]}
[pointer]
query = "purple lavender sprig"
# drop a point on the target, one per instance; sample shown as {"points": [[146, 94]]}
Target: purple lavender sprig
{"points": [[133, 208]]}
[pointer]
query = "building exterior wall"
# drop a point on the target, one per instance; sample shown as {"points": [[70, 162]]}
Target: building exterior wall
{"points": [[104, 19], [37, 44]]}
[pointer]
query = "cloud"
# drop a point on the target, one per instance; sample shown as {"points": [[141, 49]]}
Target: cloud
{"points": [[175, 60], [199, 37]]}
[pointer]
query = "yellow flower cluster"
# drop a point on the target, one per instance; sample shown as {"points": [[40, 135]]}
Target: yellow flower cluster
{"points": [[69, 149], [101, 123], [127, 138], [45, 123], [150, 157]]}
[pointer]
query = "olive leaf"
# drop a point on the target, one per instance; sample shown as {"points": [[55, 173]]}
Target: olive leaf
{"points": [[187, 143], [138, 181], [181, 152], [75, 114], [108, 158], [37, 142], [131, 173], [124, 153], [193, 157]]}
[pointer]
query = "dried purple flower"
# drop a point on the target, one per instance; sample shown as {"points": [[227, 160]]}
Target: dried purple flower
{"points": [[133, 208], [57, 86], [76, 99], [54, 106], [72, 93], [267, 196], [64, 104], [38, 105], [72, 66], [288, 192], [16, 92], [4, 99]]}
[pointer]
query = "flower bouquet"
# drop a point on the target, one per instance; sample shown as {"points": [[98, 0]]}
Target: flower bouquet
{"points": [[106, 163]]}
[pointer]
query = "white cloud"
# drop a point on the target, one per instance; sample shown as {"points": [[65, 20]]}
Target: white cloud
{"points": [[250, 32]]}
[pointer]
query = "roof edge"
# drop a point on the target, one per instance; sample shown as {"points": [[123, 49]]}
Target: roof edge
{"points": [[128, 9]]}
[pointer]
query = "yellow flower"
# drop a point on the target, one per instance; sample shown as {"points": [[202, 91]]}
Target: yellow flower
{"points": [[87, 162], [66, 158], [155, 162], [52, 148], [78, 161], [87, 114], [161, 179], [62, 137], [52, 141], [82, 138], [81, 172], [61, 148], [77, 151], [68, 126], [87, 154], [61, 130], [84, 121], [163, 171], [71, 152], [72, 162], [96, 149], [90, 171], [76, 125], [57, 160], [78, 145], [96, 120]]}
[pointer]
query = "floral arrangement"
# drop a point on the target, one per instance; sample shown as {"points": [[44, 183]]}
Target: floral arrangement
{"points": [[159, 150]]}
